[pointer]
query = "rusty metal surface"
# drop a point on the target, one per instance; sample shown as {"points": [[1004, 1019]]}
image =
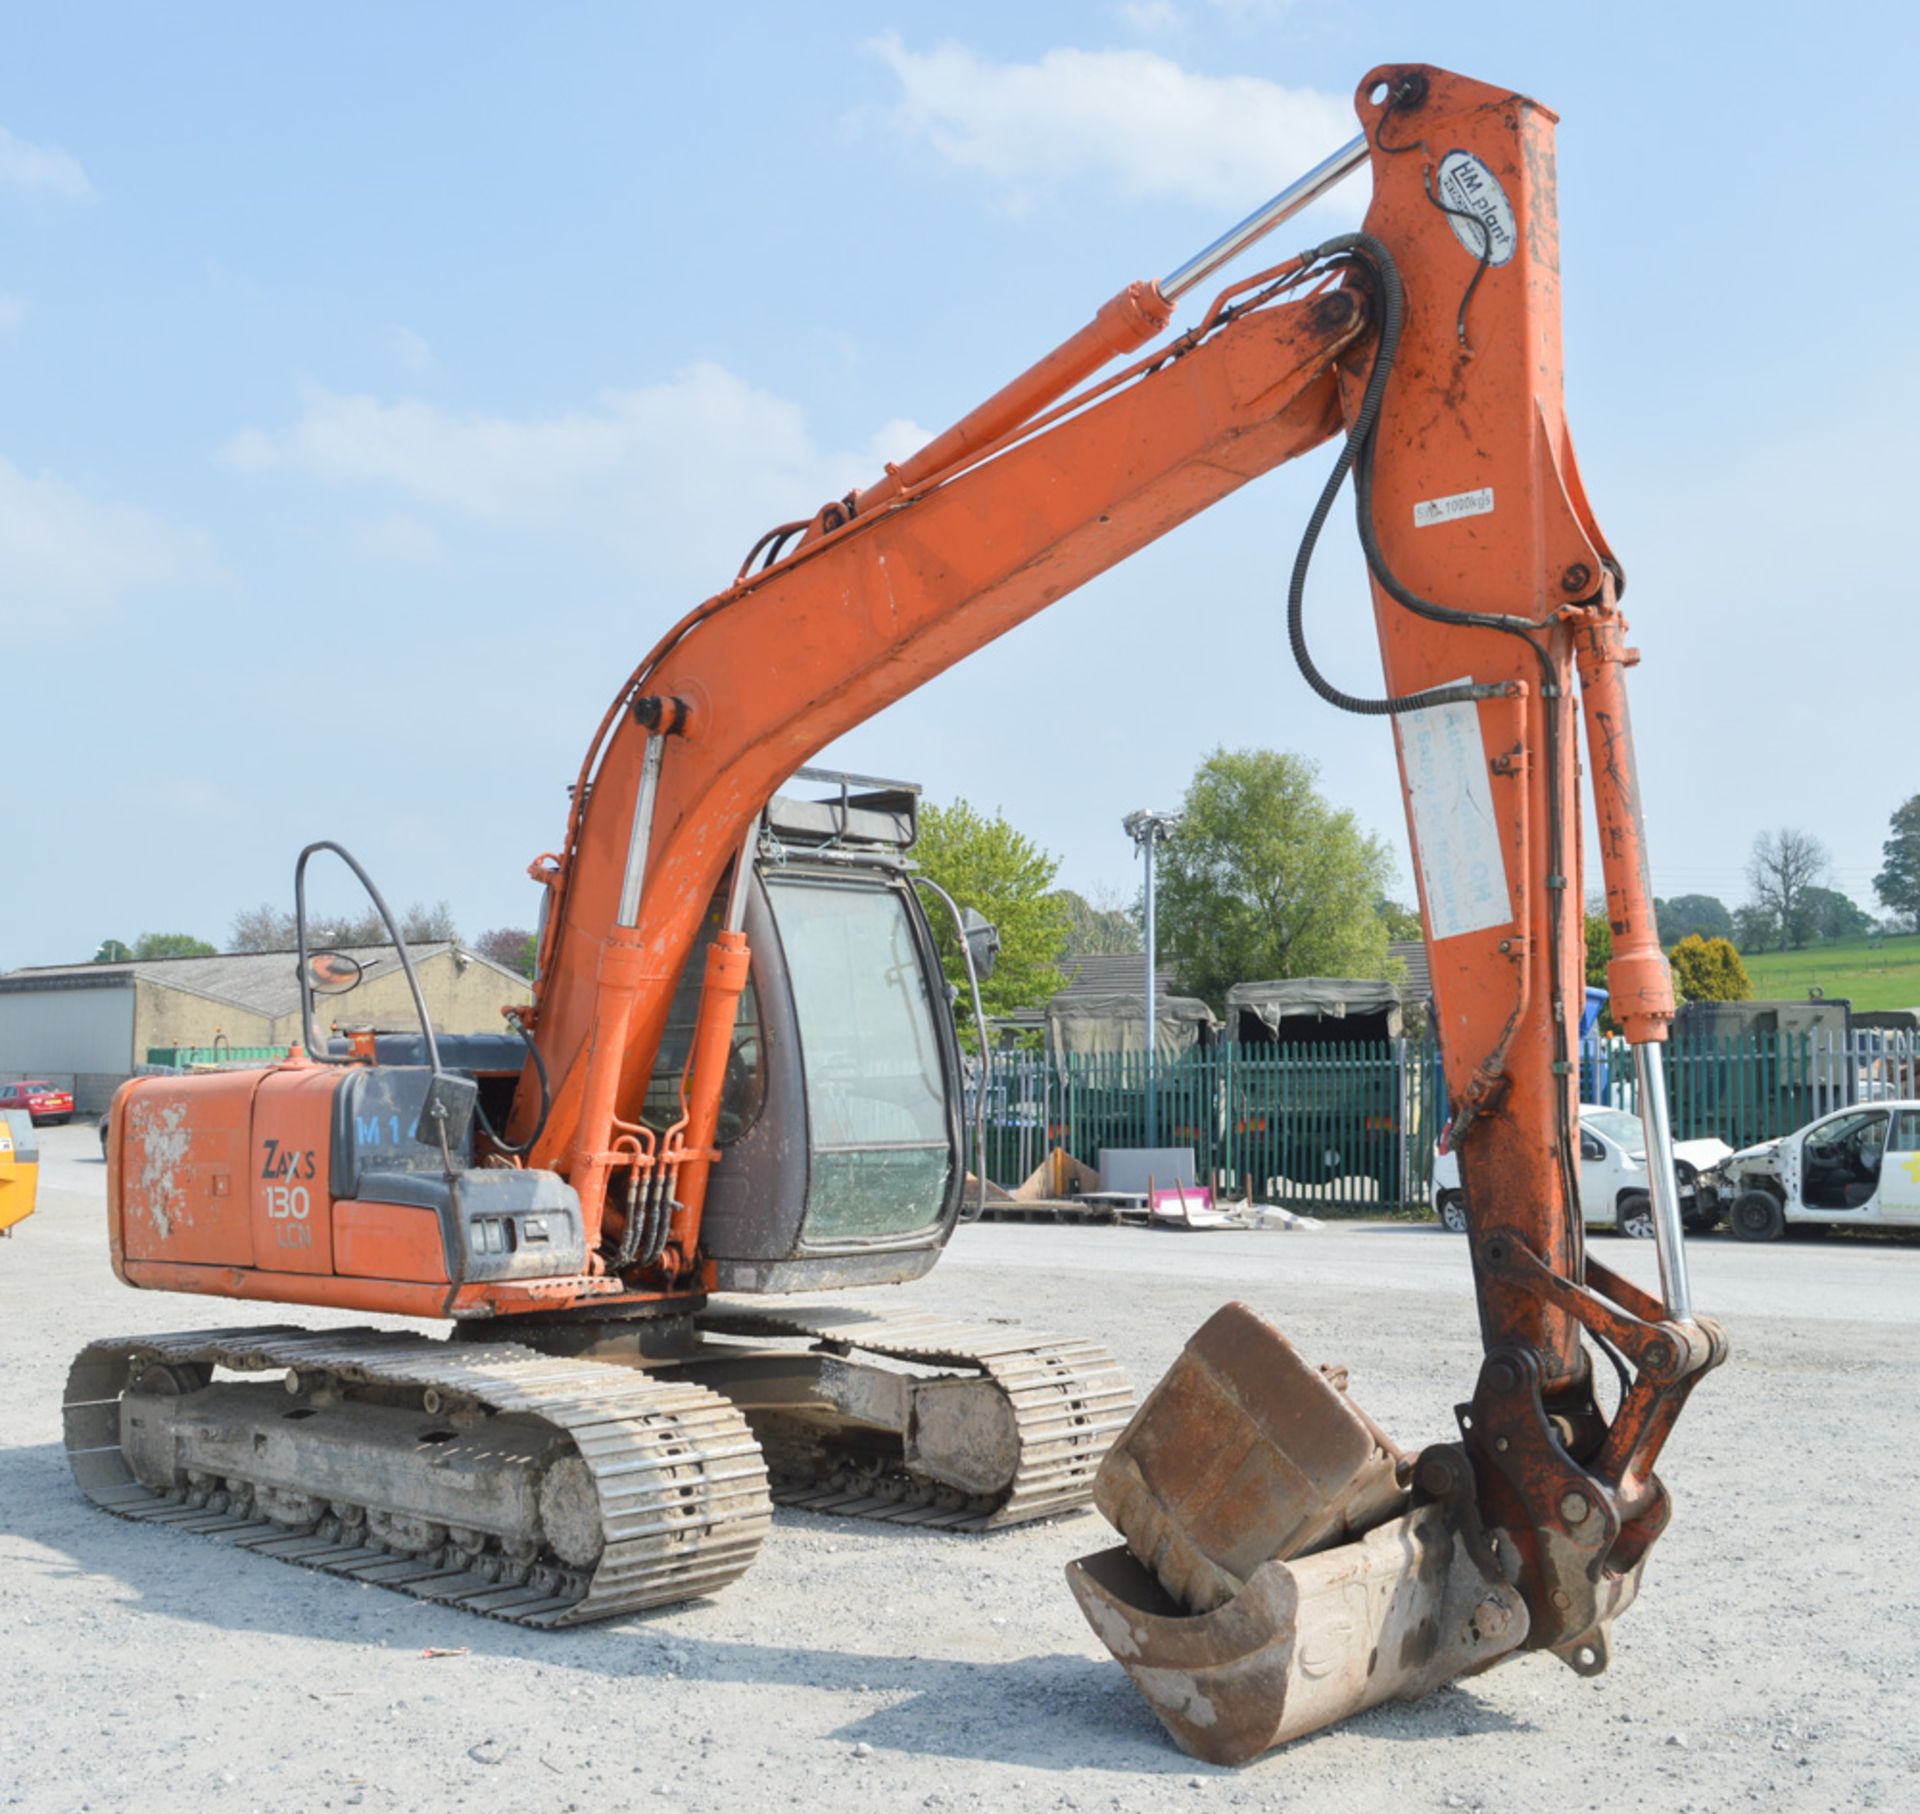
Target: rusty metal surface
{"points": [[1244, 1452], [1306, 1643], [673, 1471], [1026, 1442]]}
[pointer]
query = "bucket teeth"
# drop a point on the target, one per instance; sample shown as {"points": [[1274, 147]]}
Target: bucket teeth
{"points": [[1276, 1576]]}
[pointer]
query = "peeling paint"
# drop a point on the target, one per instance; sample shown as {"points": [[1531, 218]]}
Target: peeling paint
{"points": [[1115, 1629], [163, 1138], [1176, 1691]]}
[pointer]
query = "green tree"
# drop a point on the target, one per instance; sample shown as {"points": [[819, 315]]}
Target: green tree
{"points": [[1785, 864], [1692, 916], [1106, 930], [511, 947], [1753, 928], [1898, 883], [1599, 950], [1832, 916], [270, 928], [112, 952], [1709, 969], [1265, 879], [985, 864], [1401, 922], [171, 944]]}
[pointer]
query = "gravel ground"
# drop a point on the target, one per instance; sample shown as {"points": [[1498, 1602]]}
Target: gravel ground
{"points": [[1772, 1659]]}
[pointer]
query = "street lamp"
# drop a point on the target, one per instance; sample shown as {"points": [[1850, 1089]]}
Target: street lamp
{"points": [[1147, 829]]}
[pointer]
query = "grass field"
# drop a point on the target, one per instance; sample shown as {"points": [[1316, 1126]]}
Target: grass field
{"points": [[1883, 974]]}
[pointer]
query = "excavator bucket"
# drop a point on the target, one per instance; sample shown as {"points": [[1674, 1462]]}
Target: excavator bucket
{"points": [[1277, 1574]]}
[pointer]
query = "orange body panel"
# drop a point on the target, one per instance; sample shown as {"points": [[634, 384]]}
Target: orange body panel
{"points": [[181, 1191], [388, 1241], [291, 1174], [386, 1297]]}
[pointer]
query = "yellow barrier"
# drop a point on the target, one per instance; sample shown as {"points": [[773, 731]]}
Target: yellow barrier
{"points": [[19, 1171]]}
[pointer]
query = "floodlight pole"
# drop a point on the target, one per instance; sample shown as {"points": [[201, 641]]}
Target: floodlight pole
{"points": [[1147, 829]]}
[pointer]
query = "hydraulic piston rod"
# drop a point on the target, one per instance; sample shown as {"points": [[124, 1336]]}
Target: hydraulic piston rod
{"points": [[1262, 221], [1124, 323], [1650, 1075]]}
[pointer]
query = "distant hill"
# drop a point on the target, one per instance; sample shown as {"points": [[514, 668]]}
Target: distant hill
{"points": [[1882, 974]]}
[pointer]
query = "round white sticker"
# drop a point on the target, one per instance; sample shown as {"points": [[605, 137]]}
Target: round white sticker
{"points": [[1469, 187]]}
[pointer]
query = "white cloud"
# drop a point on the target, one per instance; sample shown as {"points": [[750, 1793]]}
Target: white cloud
{"points": [[62, 551], [13, 312], [29, 166], [1152, 18], [698, 463], [411, 349], [1133, 117]]}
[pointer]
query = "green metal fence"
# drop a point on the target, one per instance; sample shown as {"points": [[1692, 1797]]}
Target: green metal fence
{"points": [[1324, 1126], [1351, 1128], [184, 1057]]}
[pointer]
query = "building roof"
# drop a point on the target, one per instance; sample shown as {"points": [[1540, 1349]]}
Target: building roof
{"points": [[1419, 984], [261, 982], [1109, 973]]}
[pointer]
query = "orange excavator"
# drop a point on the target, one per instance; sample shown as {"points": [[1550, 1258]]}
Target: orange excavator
{"points": [[738, 1076]]}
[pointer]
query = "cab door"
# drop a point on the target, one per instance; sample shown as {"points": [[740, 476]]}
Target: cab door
{"points": [[1900, 1170]]}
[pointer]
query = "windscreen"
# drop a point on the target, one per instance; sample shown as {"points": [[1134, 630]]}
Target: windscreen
{"points": [[881, 1137], [1618, 1126]]}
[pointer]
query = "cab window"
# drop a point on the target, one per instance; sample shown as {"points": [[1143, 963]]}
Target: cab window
{"points": [[882, 1153]]}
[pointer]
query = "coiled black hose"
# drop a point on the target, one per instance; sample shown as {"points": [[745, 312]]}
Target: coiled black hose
{"points": [[1356, 456], [501, 1143]]}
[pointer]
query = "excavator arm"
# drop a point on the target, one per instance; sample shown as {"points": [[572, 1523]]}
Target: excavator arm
{"points": [[1493, 588]]}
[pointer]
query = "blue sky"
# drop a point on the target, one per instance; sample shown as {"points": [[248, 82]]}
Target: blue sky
{"points": [[378, 381]]}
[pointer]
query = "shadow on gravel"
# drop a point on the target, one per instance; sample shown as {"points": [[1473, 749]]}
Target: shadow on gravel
{"points": [[1048, 1712]]}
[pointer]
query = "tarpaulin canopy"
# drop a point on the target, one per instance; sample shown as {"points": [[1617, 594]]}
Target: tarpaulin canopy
{"points": [[1307, 999], [1113, 1021]]}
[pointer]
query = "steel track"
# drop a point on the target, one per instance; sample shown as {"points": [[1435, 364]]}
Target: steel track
{"points": [[682, 1486]]}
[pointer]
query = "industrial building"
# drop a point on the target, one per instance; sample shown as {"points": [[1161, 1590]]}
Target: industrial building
{"points": [[88, 1027]]}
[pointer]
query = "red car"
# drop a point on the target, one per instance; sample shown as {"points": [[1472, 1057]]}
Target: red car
{"points": [[41, 1100]]}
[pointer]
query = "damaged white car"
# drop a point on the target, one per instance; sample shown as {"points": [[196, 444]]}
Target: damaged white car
{"points": [[1854, 1167], [1613, 1177]]}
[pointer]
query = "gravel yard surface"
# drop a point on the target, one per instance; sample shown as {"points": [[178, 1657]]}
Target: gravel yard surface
{"points": [[1773, 1660]]}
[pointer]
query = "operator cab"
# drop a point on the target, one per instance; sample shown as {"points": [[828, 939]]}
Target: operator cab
{"points": [[842, 1154]]}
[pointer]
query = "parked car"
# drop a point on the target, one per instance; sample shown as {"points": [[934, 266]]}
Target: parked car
{"points": [[1856, 1167], [48, 1107], [1613, 1177]]}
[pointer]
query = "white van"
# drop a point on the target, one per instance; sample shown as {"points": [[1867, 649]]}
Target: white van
{"points": [[1613, 1177], [1857, 1166]]}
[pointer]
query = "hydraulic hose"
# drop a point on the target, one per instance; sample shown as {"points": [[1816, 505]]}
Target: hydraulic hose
{"points": [[1356, 456], [500, 1141]]}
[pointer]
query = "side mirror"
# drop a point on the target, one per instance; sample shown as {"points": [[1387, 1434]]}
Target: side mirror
{"points": [[333, 972], [983, 942]]}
